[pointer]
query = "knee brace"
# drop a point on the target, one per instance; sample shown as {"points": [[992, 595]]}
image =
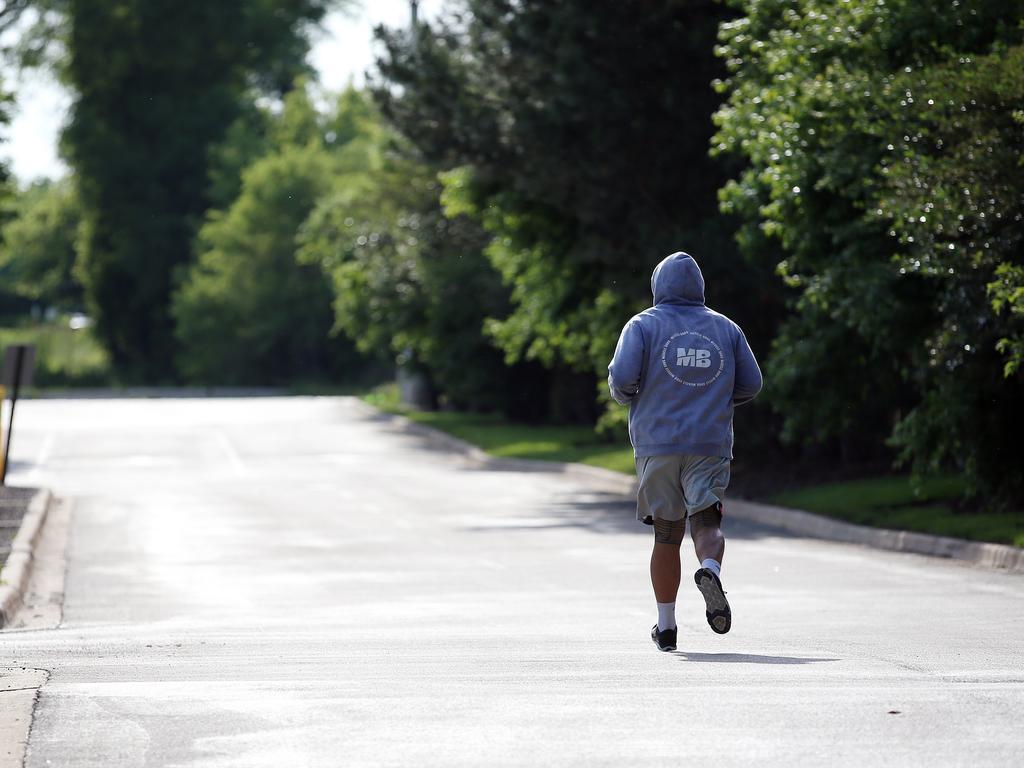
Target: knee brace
{"points": [[709, 517], [669, 531]]}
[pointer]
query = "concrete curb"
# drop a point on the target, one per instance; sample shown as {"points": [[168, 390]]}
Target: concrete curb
{"points": [[19, 687], [993, 556], [15, 574]]}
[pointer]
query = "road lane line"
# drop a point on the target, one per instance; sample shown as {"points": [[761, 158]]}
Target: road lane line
{"points": [[41, 459], [234, 458]]}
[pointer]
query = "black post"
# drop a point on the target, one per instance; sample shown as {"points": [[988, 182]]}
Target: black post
{"points": [[19, 357]]}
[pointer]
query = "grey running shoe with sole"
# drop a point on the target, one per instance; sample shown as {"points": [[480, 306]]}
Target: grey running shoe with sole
{"points": [[718, 611]]}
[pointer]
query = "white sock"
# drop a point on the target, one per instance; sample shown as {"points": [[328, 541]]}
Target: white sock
{"points": [[666, 616], [712, 565]]}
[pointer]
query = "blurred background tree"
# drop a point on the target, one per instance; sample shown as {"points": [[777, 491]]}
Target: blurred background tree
{"points": [[247, 312], [39, 246], [156, 84], [412, 282], [9, 300]]}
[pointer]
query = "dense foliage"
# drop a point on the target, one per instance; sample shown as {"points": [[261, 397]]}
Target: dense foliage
{"points": [[248, 312], [414, 284], [883, 150], [576, 136], [156, 83], [38, 247], [8, 298]]}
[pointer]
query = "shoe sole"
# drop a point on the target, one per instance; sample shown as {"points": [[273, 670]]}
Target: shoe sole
{"points": [[719, 614]]}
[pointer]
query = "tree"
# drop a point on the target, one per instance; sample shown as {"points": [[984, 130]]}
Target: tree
{"points": [[35, 262], [245, 141], [414, 283], [10, 302], [952, 194], [157, 83], [247, 312], [6, 100], [865, 127], [40, 245], [39, 27], [576, 135]]}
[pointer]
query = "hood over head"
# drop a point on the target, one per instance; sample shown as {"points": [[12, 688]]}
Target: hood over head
{"points": [[677, 280]]}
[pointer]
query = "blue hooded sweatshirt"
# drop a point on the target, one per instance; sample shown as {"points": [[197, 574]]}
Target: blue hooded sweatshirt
{"points": [[682, 368]]}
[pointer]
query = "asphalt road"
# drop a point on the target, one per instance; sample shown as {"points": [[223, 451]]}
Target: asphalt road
{"points": [[294, 582]]}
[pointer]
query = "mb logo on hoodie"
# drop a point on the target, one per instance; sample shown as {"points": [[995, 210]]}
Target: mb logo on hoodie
{"points": [[698, 358], [692, 359]]}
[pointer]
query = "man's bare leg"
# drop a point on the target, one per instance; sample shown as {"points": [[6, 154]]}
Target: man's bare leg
{"points": [[665, 568], [706, 532], [665, 574], [709, 544]]}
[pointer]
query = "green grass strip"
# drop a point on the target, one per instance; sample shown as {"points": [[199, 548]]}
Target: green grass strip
{"points": [[505, 439], [928, 506], [64, 357]]}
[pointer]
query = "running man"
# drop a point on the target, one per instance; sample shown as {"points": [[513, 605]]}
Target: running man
{"points": [[682, 368]]}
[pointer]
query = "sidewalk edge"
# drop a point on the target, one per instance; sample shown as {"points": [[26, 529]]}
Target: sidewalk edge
{"points": [[15, 573], [1001, 557]]}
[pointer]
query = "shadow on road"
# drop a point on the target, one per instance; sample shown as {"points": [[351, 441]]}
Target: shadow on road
{"points": [[745, 658], [606, 512], [599, 511]]}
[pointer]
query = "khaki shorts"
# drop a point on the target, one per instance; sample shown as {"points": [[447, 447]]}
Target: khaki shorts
{"points": [[671, 484]]}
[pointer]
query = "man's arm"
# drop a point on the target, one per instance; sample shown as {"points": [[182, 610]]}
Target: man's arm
{"points": [[627, 365], [748, 376]]}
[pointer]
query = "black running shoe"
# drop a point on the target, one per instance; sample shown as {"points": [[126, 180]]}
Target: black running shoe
{"points": [[718, 611], [665, 640]]}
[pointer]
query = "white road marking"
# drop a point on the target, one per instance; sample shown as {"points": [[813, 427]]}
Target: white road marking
{"points": [[234, 458], [45, 450]]}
